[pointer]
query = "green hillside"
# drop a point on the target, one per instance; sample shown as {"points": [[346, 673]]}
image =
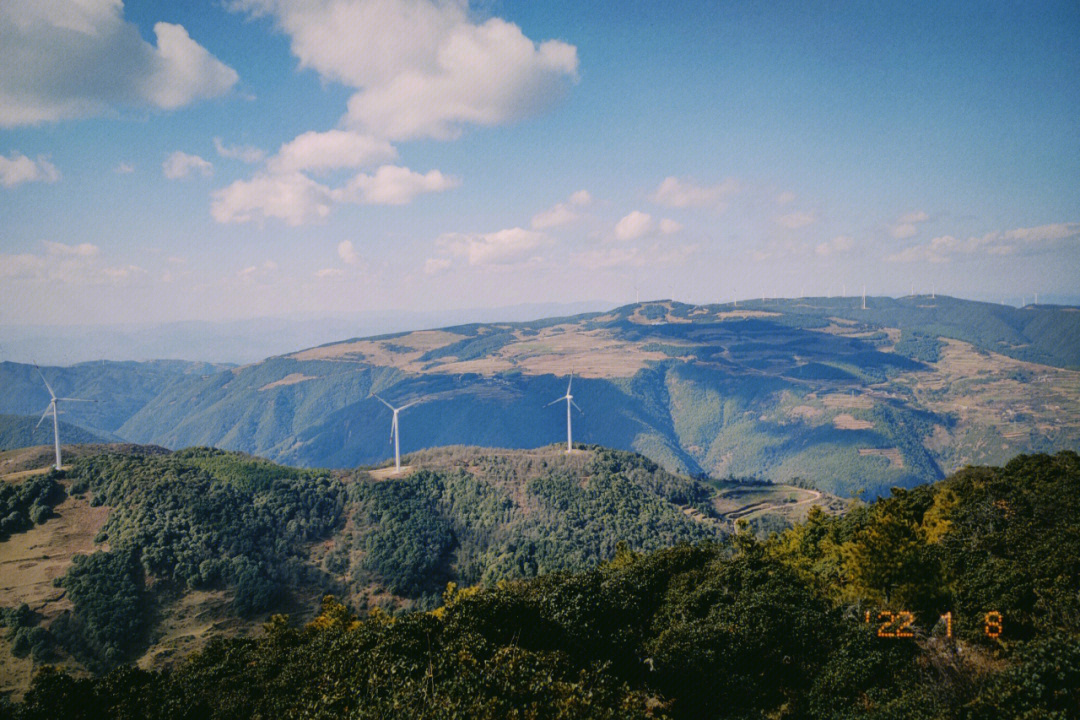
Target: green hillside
{"points": [[954, 600], [19, 431], [206, 533], [814, 389]]}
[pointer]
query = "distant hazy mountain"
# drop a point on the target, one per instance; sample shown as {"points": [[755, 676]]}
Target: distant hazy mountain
{"points": [[816, 388], [241, 341]]}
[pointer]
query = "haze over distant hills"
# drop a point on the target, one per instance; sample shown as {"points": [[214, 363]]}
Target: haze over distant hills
{"points": [[816, 388], [241, 341]]}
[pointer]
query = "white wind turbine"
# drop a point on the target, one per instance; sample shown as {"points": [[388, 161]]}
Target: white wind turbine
{"points": [[569, 401], [54, 409], [395, 432]]}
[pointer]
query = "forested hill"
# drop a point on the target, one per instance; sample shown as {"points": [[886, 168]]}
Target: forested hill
{"points": [[818, 389], [147, 554], [953, 600]]}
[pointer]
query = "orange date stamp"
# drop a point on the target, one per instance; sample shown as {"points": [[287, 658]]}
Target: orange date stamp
{"points": [[899, 624]]}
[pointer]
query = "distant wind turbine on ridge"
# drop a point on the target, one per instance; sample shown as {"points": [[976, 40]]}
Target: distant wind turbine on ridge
{"points": [[569, 401], [55, 410], [395, 432]]}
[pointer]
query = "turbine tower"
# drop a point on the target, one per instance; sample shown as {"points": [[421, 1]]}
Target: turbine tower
{"points": [[54, 409], [863, 297], [395, 433], [569, 401]]}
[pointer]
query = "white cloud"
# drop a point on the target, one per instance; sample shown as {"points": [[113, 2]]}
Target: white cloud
{"points": [[180, 165], [437, 266], [839, 244], [581, 198], [124, 168], [18, 169], [331, 150], [796, 220], [562, 213], [392, 185], [243, 153], [347, 253], [294, 198], [497, 248], [634, 225], [329, 273], [676, 193], [297, 199], [785, 198], [422, 68], [669, 226], [61, 60], [1008, 242], [907, 225]]}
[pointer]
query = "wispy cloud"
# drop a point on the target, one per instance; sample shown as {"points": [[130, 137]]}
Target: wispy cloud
{"points": [[504, 247], [908, 224], [685, 193], [1009, 242], [839, 244], [19, 169], [243, 153], [796, 220], [562, 213], [180, 165]]}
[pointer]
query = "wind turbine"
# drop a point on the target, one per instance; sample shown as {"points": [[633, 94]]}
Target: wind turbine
{"points": [[395, 433], [569, 401], [52, 408]]}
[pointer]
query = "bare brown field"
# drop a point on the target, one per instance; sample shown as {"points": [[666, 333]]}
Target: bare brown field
{"points": [[290, 379], [376, 352], [844, 421], [30, 561], [808, 412]]}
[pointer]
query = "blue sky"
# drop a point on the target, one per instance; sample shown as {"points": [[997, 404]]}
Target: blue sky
{"points": [[216, 160]]}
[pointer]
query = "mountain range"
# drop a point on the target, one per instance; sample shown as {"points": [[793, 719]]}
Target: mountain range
{"points": [[817, 391]]}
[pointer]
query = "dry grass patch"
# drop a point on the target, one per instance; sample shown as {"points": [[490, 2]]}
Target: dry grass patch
{"points": [[290, 379], [844, 421]]}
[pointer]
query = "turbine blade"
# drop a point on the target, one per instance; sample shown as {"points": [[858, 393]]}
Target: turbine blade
{"points": [[555, 401], [43, 416], [570, 383], [393, 427], [576, 405], [74, 400], [414, 402], [382, 401], [51, 393]]}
